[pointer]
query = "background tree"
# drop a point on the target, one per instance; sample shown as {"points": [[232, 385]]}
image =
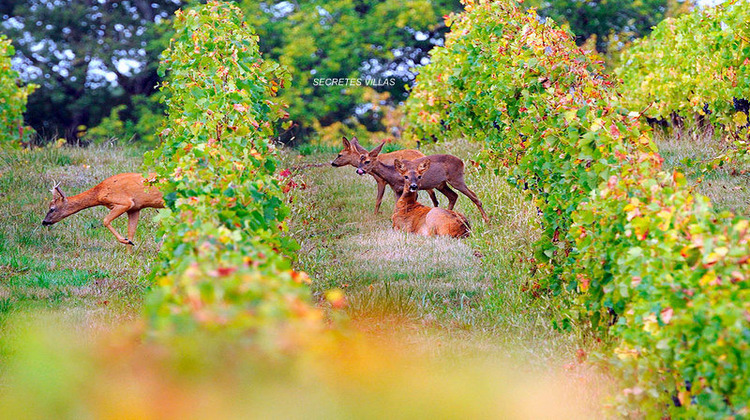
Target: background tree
{"points": [[87, 56], [347, 39], [625, 18]]}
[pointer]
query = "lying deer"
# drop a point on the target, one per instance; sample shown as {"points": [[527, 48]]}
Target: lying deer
{"points": [[350, 156], [121, 193], [444, 170], [413, 217]]}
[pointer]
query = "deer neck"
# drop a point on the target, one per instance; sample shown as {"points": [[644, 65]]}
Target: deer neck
{"points": [[387, 172], [81, 201], [407, 201]]}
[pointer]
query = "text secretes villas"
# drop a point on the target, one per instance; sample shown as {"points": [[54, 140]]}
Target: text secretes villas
{"points": [[327, 81]]}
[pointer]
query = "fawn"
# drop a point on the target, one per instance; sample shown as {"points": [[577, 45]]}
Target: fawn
{"points": [[350, 156], [411, 216], [121, 193], [444, 170]]}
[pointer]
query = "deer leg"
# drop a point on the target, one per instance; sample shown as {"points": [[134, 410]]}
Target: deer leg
{"points": [[132, 223], [381, 190], [448, 192], [461, 186], [431, 193], [116, 212]]}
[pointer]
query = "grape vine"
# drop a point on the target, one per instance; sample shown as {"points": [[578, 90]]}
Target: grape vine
{"points": [[650, 266]]}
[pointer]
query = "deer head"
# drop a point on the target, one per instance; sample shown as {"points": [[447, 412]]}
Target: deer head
{"points": [[412, 171], [57, 207], [367, 159], [350, 154]]}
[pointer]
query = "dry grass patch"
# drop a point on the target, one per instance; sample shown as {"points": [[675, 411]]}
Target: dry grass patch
{"points": [[728, 187]]}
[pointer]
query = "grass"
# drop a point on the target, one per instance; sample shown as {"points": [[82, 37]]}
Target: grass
{"points": [[467, 293], [728, 187], [441, 316], [308, 149], [75, 265]]}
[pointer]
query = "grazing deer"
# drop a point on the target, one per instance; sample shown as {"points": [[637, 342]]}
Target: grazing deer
{"points": [[121, 193], [444, 170], [413, 217], [350, 156]]}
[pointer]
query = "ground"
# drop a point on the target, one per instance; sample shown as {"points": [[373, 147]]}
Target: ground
{"points": [[447, 306]]}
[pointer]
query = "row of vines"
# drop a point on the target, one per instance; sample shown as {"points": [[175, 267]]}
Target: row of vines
{"points": [[12, 98], [647, 265], [225, 261], [696, 65]]}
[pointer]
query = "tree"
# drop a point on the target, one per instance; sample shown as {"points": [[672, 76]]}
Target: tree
{"points": [[332, 49], [87, 56], [602, 18]]}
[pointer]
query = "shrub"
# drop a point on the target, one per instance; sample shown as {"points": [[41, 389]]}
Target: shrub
{"points": [[12, 100], [649, 264], [697, 64], [225, 262]]}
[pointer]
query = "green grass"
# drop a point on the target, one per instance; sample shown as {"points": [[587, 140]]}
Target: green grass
{"points": [[308, 149], [75, 265]]}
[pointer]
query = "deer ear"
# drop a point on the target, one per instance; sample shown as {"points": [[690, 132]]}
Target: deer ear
{"points": [[376, 151], [358, 147], [346, 143], [399, 165], [423, 167]]}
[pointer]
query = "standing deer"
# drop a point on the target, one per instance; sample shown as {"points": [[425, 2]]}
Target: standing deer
{"points": [[350, 156], [413, 217], [443, 171], [121, 193]]}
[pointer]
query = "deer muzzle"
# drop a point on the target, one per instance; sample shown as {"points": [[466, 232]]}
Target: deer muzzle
{"points": [[413, 187], [360, 171]]}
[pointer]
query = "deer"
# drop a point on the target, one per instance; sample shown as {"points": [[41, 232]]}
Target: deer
{"points": [[413, 217], [444, 171], [350, 156], [121, 193]]}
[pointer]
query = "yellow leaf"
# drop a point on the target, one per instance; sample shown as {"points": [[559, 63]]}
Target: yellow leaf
{"points": [[740, 119], [650, 325], [598, 123], [707, 278], [684, 397], [742, 225]]}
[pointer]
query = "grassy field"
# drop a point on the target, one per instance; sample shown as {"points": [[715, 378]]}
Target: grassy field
{"points": [[465, 294], [75, 267], [453, 311]]}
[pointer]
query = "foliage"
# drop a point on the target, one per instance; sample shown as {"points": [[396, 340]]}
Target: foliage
{"points": [[87, 57], [12, 99], [363, 41], [698, 64], [651, 265], [141, 122], [602, 19], [225, 261]]}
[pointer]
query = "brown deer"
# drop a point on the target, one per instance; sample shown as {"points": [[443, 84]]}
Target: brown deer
{"points": [[350, 156], [121, 193], [444, 170], [413, 217]]}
